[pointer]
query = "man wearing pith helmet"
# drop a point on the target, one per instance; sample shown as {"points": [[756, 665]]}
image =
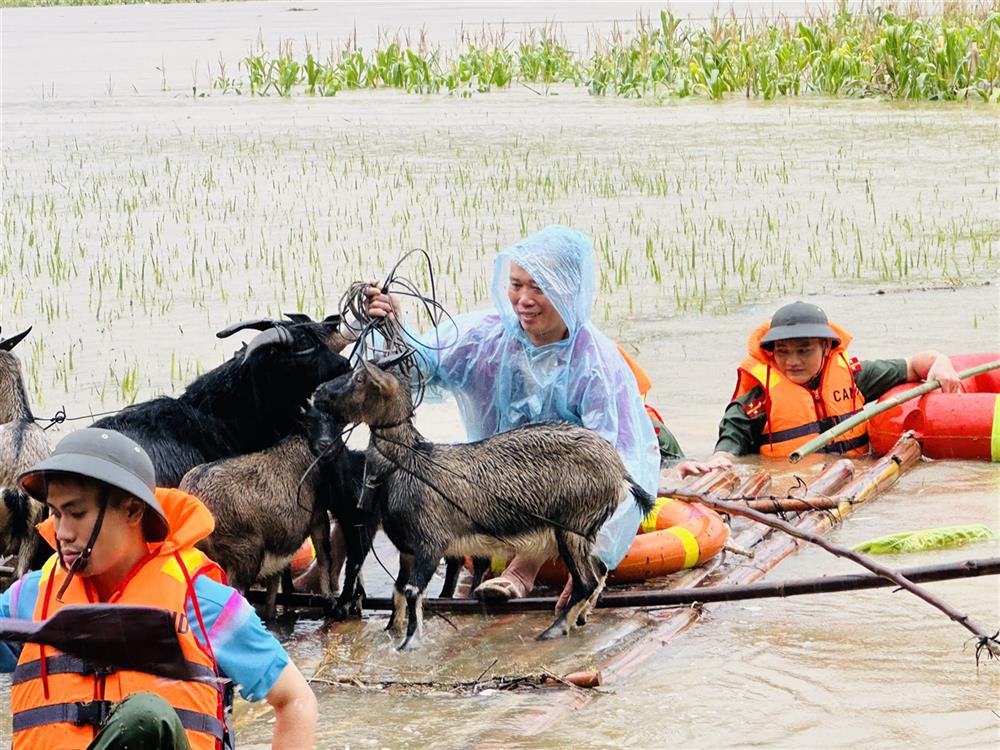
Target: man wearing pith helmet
{"points": [[798, 380], [120, 541]]}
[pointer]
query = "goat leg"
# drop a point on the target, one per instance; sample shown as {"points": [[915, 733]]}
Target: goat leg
{"points": [[453, 566], [601, 574], [320, 535], [398, 616], [271, 605], [423, 571], [480, 565], [576, 555], [358, 540]]}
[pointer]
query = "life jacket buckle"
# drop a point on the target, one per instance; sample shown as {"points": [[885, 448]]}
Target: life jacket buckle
{"points": [[93, 713], [99, 670]]}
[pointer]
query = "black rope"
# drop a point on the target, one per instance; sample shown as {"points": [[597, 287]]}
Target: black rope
{"points": [[396, 338], [60, 416]]}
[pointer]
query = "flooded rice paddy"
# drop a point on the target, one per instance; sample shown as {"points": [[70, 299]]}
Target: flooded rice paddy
{"points": [[138, 221]]}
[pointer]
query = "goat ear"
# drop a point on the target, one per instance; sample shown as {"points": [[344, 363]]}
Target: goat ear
{"points": [[333, 319], [298, 317], [8, 344], [262, 324], [385, 363], [378, 376]]}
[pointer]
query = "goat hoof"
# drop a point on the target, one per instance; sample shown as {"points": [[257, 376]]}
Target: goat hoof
{"points": [[339, 613], [552, 632], [410, 644], [581, 620]]}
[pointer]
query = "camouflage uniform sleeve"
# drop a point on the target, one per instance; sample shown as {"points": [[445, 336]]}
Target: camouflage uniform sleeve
{"points": [[742, 424], [877, 376], [670, 449]]}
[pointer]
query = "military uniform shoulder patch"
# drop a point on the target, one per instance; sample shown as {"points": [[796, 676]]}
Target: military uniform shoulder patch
{"points": [[754, 408]]}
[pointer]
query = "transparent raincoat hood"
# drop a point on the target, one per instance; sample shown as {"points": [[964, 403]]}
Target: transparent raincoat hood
{"points": [[501, 380]]}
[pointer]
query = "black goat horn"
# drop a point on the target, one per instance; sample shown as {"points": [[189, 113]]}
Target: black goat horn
{"points": [[392, 359], [262, 324], [298, 317], [270, 337], [8, 344]]}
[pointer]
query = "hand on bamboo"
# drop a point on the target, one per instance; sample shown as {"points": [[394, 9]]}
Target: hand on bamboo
{"points": [[383, 305], [944, 372], [689, 468]]}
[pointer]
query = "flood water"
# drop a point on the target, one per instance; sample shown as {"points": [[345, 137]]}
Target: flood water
{"points": [[138, 220]]}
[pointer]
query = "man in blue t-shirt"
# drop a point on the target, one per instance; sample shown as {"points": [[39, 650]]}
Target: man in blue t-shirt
{"points": [[119, 540]]}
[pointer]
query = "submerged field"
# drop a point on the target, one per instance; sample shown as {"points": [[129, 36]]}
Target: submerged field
{"points": [[138, 221], [174, 218]]}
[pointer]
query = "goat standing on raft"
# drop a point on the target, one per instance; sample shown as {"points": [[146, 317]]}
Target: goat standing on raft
{"points": [[22, 445], [537, 490], [265, 505], [264, 511]]}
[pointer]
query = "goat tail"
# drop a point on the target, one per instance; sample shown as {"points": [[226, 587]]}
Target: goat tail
{"points": [[643, 499]]}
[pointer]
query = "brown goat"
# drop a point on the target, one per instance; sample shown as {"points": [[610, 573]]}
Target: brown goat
{"points": [[262, 515], [536, 491], [22, 445]]}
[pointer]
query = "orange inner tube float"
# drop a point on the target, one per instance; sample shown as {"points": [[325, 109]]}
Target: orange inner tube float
{"points": [[948, 425], [674, 536], [303, 558]]}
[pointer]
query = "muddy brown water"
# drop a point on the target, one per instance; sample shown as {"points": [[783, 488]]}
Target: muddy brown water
{"points": [[137, 222]]}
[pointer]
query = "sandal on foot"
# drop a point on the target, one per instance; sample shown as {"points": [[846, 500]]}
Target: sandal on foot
{"points": [[499, 589]]}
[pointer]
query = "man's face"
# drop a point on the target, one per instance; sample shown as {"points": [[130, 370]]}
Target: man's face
{"points": [[536, 314], [74, 507], [800, 360]]}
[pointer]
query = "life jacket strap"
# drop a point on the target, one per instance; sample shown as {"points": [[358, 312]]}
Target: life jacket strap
{"points": [[92, 713], [845, 446], [65, 664], [810, 428], [96, 713]]}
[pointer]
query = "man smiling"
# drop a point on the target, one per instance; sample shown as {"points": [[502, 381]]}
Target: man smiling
{"points": [[799, 381]]}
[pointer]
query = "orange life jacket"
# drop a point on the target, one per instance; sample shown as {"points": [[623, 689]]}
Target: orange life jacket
{"points": [[58, 701], [796, 414], [644, 384]]}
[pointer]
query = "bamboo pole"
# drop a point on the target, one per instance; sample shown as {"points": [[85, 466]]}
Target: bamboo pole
{"points": [[755, 485], [833, 477], [883, 473], [984, 640], [877, 407], [674, 597]]}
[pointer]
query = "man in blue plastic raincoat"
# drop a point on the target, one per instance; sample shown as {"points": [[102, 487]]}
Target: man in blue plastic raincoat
{"points": [[539, 358]]}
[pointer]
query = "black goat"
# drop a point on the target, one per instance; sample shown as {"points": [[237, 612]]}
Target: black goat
{"points": [[245, 405], [536, 490], [22, 445]]}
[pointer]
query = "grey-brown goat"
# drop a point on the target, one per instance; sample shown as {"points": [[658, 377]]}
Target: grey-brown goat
{"points": [[22, 445], [536, 491], [262, 514]]}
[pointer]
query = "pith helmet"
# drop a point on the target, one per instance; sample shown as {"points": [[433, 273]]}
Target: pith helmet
{"points": [[799, 320], [107, 456]]}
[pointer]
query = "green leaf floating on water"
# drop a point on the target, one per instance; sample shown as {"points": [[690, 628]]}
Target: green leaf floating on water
{"points": [[928, 539]]}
